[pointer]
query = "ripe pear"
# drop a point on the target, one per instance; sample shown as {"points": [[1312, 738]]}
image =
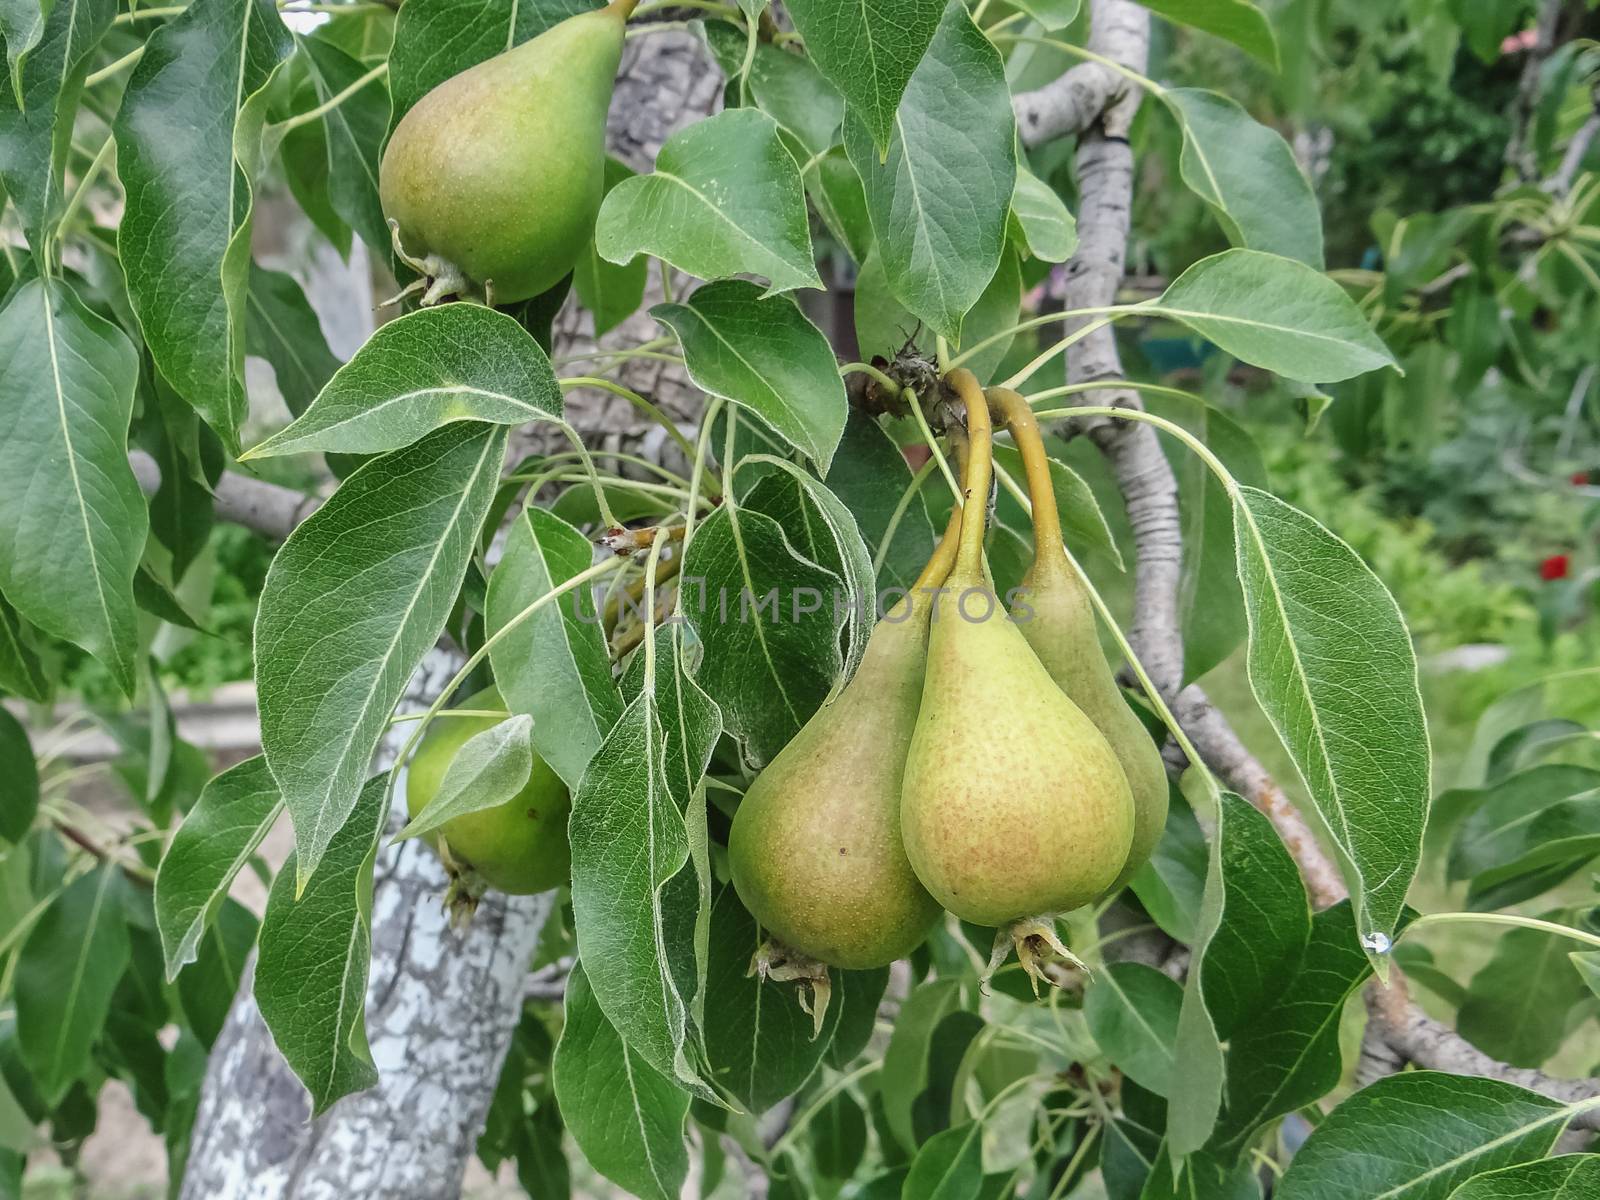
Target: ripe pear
{"points": [[519, 847], [815, 848], [492, 181], [1013, 804], [1061, 629]]}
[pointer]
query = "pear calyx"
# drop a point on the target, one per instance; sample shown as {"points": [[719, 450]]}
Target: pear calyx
{"points": [[1039, 948], [782, 964]]}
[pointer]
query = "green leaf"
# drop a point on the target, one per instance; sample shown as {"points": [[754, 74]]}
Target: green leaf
{"points": [[769, 662], [1485, 27], [19, 780], [1519, 1004], [822, 530], [1277, 314], [759, 1041], [858, 1014], [1083, 523], [1051, 14], [868, 49], [1265, 920], [787, 87], [1588, 967], [1127, 1157], [421, 372], [356, 128], [1170, 885], [1237, 21], [315, 951], [156, 598], [21, 27], [65, 975], [725, 199], [1525, 833], [905, 1061], [839, 1137], [72, 517], [949, 1166], [20, 670], [625, 1116], [216, 839], [1288, 1055], [1200, 1174], [869, 475], [1332, 665], [1048, 229], [437, 39], [36, 113], [188, 144], [490, 768], [885, 327], [940, 199], [1251, 935], [629, 841], [1247, 172], [182, 511], [1565, 1177], [943, 1101], [1419, 1135], [554, 666], [763, 354], [353, 600], [207, 986], [611, 292], [836, 193], [1132, 1012], [282, 328]]}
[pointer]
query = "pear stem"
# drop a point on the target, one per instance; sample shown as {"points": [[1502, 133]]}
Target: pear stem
{"points": [[623, 8], [943, 556], [1018, 416], [980, 472]]}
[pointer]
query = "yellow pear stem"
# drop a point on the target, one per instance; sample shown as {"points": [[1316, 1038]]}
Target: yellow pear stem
{"points": [[980, 472], [919, 598], [623, 8], [1018, 416]]}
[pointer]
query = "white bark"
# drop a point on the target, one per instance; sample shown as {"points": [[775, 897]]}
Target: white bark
{"points": [[441, 1005]]}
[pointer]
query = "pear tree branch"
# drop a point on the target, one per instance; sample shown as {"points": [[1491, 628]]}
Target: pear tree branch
{"points": [[269, 509], [1398, 1031]]}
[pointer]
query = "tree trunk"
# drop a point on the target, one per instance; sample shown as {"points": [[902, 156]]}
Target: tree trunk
{"points": [[441, 1005]]}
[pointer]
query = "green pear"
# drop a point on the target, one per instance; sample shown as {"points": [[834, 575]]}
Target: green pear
{"points": [[1013, 804], [519, 847], [815, 849], [492, 181], [1061, 629]]}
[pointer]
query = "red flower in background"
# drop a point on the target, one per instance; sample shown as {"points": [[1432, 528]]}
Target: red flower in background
{"points": [[1554, 567], [1580, 478]]}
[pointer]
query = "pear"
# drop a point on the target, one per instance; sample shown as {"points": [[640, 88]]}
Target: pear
{"points": [[1013, 804], [814, 848], [519, 847], [492, 181], [1061, 629]]}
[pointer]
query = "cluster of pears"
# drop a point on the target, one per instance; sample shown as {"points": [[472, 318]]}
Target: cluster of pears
{"points": [[977, 763], [520, 846], [492, 181]]}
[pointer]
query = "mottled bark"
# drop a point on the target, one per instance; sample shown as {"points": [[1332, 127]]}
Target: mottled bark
{"points": [[442, 1004]]}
